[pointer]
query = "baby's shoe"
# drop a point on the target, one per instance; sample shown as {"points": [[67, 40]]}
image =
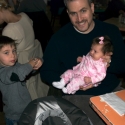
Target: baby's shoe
{"points": [[64, 90], [59, 85]]}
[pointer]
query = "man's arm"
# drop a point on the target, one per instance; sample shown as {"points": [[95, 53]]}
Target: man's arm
{"points": [[51, 68], [117, 65]]}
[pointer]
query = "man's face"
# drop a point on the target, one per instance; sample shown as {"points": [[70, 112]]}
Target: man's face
{"points": [[81, 15]]}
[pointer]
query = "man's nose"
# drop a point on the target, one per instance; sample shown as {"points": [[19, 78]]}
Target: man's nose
{"points": [[79, 17]]}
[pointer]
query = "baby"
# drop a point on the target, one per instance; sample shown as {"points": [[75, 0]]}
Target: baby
{"points": [[91, 69]]}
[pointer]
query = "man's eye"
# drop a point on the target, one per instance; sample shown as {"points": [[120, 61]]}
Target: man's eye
{"points": [[72, 14], [83, 11]]}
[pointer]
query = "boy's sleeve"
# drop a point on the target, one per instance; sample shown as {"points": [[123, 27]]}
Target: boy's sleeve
{"points": [[16, 73]]}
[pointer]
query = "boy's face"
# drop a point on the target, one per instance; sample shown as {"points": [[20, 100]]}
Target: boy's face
{"points": [[96, 51], [8, 55]]}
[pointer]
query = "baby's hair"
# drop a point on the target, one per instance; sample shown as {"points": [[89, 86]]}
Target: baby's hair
{"points": [[106, 42], [4, 40], [5, 5]]}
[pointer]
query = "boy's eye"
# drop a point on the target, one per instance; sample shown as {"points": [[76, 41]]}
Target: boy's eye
{"points": [[14, 51], [6, 53]]}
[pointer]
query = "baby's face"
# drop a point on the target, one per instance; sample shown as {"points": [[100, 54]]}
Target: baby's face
{"points": [[8, 55], [96, 51]]}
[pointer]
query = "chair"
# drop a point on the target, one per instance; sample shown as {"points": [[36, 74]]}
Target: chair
{"points": [[56, 8]]}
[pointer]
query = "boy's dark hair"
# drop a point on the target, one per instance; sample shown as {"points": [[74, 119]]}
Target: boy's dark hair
{"points": [[4, 40], [107, 44]]}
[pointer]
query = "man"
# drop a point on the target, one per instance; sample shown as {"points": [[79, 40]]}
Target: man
{"points": [[73, 40]]}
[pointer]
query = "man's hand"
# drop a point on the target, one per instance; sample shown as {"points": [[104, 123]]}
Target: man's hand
{"points": [[87, 80], [89, 86]]}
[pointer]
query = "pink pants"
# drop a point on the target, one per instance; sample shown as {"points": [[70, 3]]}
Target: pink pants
{"points": [[73, 80]]}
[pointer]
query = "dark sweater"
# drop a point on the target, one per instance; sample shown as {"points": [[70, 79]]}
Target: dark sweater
{"points": [[67, 44]]}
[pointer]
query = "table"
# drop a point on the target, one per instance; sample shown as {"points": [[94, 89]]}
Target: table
{"points": [[106, 112], [116, 22]]}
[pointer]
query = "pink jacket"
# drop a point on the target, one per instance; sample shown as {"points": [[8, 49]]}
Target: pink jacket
{"points": [[91, 68]]}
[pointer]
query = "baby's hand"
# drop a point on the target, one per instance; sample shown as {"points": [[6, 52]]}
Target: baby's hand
{"points": [[87, 80], [38, 63], [79, 59]]}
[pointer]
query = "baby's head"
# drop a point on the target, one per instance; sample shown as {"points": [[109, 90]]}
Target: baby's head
{"points": [[100, 47], [8, 55]]}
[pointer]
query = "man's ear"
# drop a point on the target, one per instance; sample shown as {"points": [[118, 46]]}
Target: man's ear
{"points": [[67, 11], [92, 7]]}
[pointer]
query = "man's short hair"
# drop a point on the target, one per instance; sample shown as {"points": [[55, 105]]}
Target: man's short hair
{"points": [[66, 1]]}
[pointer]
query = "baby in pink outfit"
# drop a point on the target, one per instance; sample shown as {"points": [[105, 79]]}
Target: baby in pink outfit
{"points": [[91, 69]]}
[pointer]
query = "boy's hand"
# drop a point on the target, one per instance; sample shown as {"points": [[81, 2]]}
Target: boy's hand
{"points": [[38, 63], [32, 62]]}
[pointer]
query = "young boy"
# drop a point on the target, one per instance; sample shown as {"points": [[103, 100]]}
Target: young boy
{"points": [[12, 80]]}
